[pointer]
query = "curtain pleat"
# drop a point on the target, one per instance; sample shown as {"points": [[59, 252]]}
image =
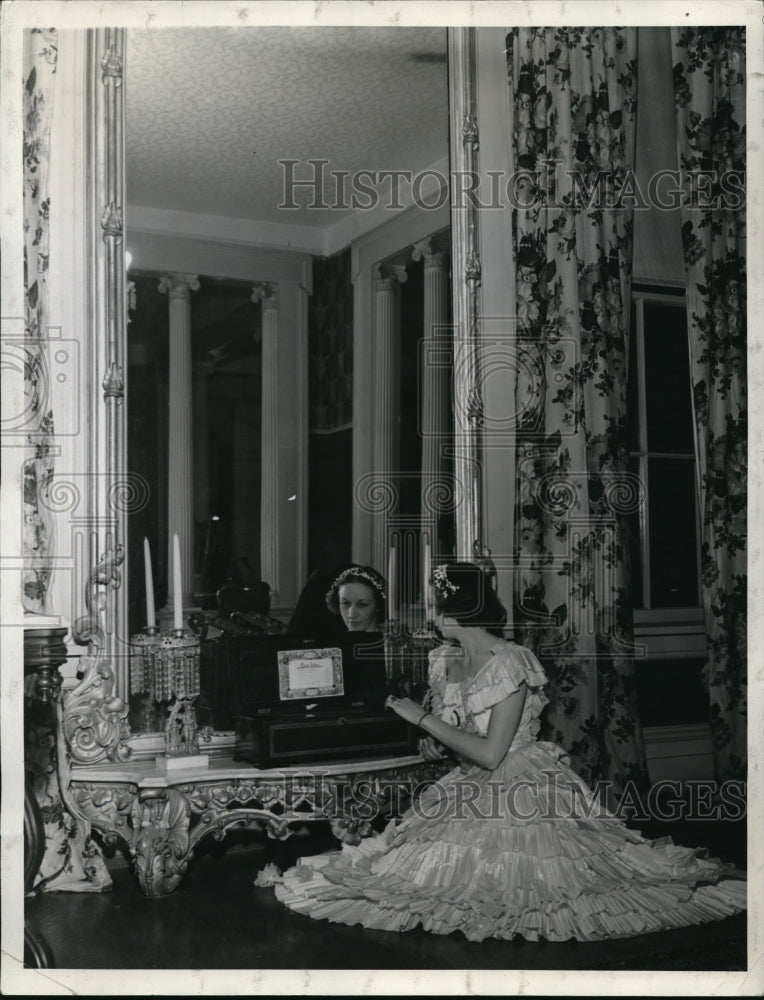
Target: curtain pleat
{"points": [[709, 92], [573, 105], [40, 60]]}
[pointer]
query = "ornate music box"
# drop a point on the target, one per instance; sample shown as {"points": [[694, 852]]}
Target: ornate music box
{"points": [[298, 701]]}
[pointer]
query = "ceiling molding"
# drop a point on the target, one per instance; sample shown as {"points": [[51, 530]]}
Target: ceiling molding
{"points": [[400, 233], [153, 251], [221, 229], [321, 241], [429, 198]]}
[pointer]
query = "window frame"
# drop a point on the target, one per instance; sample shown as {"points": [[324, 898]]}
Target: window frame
{"points": [[669, 632]]}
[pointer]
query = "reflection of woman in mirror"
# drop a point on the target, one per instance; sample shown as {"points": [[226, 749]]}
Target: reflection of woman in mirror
{"points": [[311, 617], [358, 597]]}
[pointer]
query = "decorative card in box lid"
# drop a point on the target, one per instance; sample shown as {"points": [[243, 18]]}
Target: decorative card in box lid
{"points": [[286, 674]]}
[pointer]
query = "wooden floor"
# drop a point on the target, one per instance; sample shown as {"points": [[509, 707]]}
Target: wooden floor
{"points": [[217, 919]]}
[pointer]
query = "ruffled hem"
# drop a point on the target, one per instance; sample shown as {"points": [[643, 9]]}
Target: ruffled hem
{"points": [[323, 890], [549, 861]]}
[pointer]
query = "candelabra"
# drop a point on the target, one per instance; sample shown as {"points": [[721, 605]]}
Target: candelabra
{"points": [[167, 666], [407, 657]]}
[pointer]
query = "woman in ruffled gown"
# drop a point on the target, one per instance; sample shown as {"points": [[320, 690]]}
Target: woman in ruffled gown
{"points": [[512, 841]]}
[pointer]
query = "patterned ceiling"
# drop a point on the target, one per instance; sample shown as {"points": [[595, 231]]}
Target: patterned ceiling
{"points": [[210, 111]]}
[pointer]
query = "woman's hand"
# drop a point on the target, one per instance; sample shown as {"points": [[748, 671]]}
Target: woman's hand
{"points": [[406, 708], [430, 749]]}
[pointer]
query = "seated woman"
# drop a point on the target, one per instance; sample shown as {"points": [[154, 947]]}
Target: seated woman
{"points": [[511, 841], [358, 596]]}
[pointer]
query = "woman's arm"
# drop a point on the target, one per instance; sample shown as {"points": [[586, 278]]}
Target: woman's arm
{"points": [[487, 751]]}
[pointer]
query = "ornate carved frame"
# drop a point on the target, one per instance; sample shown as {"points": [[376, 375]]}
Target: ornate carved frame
{"points": [[95, 712], [466, 269]]}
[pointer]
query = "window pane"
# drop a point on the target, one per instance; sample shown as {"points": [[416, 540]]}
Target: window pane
{"points": [[673, 560], [671, 692], [635, 550], [667, 379], [632, 387]]}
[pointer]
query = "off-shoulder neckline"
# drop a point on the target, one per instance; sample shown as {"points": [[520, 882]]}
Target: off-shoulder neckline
{"points": [[497, 648]]}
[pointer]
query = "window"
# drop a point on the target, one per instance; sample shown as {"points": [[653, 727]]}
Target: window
{"points": [[665, 534]]}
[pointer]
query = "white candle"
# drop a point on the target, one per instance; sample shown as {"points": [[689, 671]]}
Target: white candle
{"points": [[391, 584], [427, 573], [150, 615], [177, 586]]}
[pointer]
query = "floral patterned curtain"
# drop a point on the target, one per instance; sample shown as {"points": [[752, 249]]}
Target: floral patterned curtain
{"points": [[40, 58], [72, 861], [573, 101], [709, 91]]}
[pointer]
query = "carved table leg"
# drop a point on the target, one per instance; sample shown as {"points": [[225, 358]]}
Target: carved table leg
{"points": [[160, 844]]}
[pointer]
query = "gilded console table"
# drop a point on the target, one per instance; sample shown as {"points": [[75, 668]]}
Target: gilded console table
{"points": [[161, 816]]}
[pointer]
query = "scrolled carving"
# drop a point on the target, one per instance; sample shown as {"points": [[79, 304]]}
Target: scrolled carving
{"points": [[470, 133], [386, 275], [161, 846], [266, 292], [473, 269], [95, 717], [111, 221], [161, 826], [277, 827], [111, 66], [475, 409], [178, 285], [88, 630], [422, 249], [108, 807], [114, 383]]}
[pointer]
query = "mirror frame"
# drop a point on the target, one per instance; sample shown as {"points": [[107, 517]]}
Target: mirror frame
{"points": [[101, 733]]}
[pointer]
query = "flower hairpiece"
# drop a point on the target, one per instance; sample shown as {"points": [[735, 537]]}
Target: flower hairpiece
{"points": [[358, 571], [443, 585]]}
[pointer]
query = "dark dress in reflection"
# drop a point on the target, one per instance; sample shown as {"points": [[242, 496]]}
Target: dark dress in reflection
{"points": [[311, 617]]}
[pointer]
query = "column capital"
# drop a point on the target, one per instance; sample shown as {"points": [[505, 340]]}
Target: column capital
{"points": [[178, 285], [385, 275], [432, 258], [266, 292]]}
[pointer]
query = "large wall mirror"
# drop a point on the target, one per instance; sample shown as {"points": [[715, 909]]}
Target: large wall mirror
{"points": [[286, 209]]}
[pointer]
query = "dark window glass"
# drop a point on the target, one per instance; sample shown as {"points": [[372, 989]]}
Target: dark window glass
{"points": [[667, 379], [673, 546], [632, 387], [635, 551], [671, 692]]}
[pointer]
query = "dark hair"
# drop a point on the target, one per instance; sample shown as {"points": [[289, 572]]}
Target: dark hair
{"points": [[464, 592], [311, 617], [369, 578]]}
